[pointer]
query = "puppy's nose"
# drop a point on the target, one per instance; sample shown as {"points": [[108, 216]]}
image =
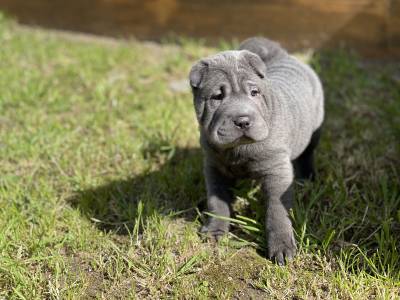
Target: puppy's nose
{"points": [[242, 122]]}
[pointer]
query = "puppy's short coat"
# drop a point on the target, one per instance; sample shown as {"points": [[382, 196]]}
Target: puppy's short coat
{"points": [[259, 111]]}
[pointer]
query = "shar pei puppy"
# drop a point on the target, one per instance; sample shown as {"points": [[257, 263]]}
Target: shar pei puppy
{"points": [[259, 111]]}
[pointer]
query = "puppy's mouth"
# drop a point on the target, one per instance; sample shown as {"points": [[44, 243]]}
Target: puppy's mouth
{"points": [[227, 136], [227, 139]]}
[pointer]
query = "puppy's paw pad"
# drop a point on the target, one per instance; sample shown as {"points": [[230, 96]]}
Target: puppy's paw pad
{"points": [[215, 229], [212, 235], [282, 256], [282, 249]]}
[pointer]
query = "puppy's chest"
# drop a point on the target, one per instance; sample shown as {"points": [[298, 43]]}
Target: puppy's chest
{"points": [[246, 170], [244, 167]]}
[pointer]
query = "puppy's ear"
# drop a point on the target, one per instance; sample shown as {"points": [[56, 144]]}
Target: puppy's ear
{"points": [[256, 63], [197, 73]]}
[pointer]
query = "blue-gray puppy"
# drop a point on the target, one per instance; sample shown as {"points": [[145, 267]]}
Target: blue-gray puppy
{"points": [[260, 111]]}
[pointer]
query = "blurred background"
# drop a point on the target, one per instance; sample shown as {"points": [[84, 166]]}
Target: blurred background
{"points": [[372, 27]]}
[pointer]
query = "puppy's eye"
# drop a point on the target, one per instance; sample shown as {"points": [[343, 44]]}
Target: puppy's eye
{"points": [[218, 96], [254, 92]]}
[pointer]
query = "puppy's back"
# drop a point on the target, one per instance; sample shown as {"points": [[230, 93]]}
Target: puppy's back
{"points": [[269, 51]]}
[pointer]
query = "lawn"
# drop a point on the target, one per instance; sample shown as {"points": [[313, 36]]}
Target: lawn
{"points": [[101, 185]]}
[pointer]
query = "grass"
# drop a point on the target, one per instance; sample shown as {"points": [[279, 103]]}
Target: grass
{"points": [[101, 180]]}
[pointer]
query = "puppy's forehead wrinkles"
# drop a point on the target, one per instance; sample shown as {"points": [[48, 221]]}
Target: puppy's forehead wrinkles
{"points": [[228, 63], [215, 79]]}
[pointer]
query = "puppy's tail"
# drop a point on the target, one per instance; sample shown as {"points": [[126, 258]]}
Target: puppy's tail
{"points": [[266, 49]]}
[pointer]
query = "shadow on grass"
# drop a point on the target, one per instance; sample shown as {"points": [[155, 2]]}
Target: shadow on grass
{"points": [[175, 187]]}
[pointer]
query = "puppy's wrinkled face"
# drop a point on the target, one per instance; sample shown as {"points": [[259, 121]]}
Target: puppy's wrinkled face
{"points": [[228, 91]]}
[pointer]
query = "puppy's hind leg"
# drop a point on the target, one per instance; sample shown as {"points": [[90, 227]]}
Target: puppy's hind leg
{"points": [[304, 164]]}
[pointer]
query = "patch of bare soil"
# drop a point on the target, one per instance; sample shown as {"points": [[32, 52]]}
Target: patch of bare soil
{"points": [[234, 277]]}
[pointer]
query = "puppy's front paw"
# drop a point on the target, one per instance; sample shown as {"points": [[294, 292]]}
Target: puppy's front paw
{"points": [[215, 228], [281, 246]]}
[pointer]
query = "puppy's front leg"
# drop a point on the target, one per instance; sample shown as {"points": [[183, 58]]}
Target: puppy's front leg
{"points": [[219, 199], [277, 185]]}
